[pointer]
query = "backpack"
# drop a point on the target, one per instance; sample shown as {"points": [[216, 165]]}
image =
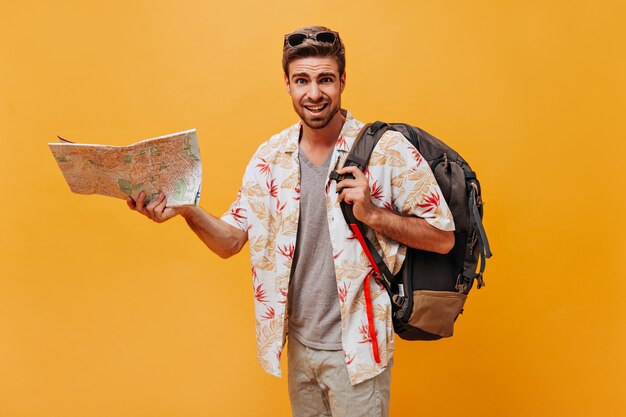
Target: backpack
{"points": [[430, 290]]}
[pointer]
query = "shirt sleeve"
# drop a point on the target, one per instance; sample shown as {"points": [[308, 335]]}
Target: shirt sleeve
{"points": [[415, 191], [237, 214]]}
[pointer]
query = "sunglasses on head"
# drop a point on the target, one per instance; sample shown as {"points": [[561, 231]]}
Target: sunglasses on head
{"points": [[297, 38]]}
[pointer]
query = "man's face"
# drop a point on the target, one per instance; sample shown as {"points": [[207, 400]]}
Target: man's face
{"points": [[315, 88]]}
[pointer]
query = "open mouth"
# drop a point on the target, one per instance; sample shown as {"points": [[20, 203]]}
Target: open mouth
{"points": [[316, 109]]}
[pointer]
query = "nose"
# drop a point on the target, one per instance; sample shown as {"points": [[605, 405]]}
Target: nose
{"points": [[314, 92]]}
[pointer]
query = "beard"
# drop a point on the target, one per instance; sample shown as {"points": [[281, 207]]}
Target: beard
{"points": [[316, 122]]}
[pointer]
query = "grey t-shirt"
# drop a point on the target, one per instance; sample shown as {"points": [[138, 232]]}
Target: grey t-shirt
{"points": [[314, 312]]}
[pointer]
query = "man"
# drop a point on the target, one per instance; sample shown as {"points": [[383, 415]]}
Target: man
{"points": [[308, 269]]}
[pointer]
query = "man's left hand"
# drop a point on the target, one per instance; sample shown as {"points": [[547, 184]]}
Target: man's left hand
{"points": [[356, 192]]}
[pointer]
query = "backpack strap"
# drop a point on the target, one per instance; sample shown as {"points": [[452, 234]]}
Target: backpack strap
{"points": [[478, 235], [359, 156]]}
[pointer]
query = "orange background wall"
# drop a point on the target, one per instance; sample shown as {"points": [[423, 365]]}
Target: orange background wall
{"points": [[103, 313]]}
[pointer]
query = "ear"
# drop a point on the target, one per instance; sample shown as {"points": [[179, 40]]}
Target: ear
{"points": [[287, 85], [342, 81]]}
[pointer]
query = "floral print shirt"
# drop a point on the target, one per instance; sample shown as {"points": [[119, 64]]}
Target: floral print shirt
{"points": [[267, 208]]}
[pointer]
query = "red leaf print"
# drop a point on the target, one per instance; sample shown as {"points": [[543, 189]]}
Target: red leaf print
{"points": [[335, 256], [416, 155], [254, 275], [377, 191], [431, 202], [297, 197], [236, 213], [341, 143], [272, 187], [284, 296], [343, 292], [264, 167], [365, 334], [389, 205], [269, 314], [349, 358], [260, 294], [287, 251]]}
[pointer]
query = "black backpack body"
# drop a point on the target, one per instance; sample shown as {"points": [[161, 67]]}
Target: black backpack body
{"points": [[430, 290]]}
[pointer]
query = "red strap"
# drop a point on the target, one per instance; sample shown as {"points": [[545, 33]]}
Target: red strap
{"points": [[370, 317], [366, 291], [359, 236]]}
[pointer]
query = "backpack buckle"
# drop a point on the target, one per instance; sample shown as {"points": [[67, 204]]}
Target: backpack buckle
{"points": [[478, 197], [481, 281], [460, 283], [398, 301]]}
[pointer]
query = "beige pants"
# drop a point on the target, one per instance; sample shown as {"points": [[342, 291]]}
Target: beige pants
{"points": [[319, 386]]}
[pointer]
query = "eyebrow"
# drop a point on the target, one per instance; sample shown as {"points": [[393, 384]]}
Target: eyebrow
{"points": [[300, 74], [320, 75]]}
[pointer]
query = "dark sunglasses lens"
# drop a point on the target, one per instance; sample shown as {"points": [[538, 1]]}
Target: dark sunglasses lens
{"points": [[296, 39], [326, 37]]}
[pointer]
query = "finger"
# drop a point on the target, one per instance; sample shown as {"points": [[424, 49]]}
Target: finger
{"points": [[355, 171], [140, 203], [346, 196], [155, 202], [131, 203], [159, 210], [347, 183]]}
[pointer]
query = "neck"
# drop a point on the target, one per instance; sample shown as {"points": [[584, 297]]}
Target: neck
{"points": [[326, 136]]}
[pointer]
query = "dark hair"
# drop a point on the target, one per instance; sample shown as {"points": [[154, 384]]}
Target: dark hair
{"points": [[312, 48]]}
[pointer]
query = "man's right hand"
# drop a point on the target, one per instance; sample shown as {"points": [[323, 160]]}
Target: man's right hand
{"points": [[156, 210], [222, 238]]}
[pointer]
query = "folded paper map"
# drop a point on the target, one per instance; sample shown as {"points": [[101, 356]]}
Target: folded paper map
{"points": [[168, 163]]}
